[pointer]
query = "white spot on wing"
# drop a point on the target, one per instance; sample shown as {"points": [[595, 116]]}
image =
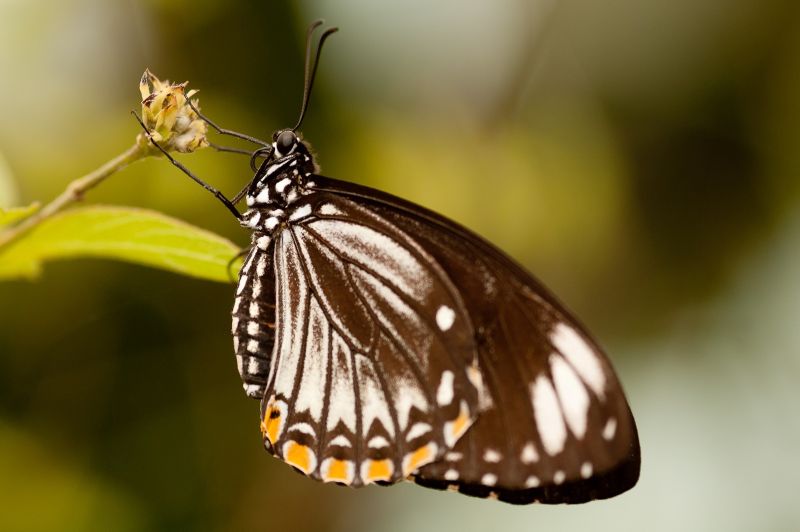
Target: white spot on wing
{"points": [[572, 394], [476, 378], [532, 482], [559, 477], [453, 456], [489, 479], [445, 317], [610, 428], [300, 212], [582, 357], [253, 328], [492, 456], [305, 428], [451, 474], [378, 442], [340, 441], [282, 184], [327, 209], [417, 430], [444, 395], [586, 469], [529, 454], [252, 346], [549, 421], [253, 310]]}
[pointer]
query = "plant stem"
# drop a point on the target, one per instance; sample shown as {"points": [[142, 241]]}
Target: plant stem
{"points": [[74, 192]]}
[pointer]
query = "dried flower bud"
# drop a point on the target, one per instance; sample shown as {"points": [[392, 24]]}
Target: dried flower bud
{"points": [[173, 124]]}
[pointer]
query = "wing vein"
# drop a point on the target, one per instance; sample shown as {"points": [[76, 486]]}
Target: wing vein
{"points": [[313, 291], [400, 348], [399, 293]]}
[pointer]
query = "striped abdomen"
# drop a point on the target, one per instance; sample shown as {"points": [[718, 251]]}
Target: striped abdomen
{"points": [[253, 314]]}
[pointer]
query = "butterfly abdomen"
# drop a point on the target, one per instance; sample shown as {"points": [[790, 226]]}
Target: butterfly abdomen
{"points": [[253, 325]]}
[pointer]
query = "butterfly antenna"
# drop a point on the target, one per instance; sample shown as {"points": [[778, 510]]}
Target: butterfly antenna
{"points": [[311, 71]]}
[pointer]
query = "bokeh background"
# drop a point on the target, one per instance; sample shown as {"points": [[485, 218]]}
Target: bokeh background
{"points": [[641, 157]]}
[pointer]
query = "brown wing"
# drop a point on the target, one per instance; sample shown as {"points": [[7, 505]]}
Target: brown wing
{"points": [[370, 374], [554, 426]]}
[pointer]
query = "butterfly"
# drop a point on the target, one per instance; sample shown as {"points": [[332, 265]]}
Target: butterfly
{"points": [[388, 343]]}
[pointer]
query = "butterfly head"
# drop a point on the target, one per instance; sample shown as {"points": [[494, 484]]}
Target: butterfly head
{"points": [[284, 142], [282, 178]]}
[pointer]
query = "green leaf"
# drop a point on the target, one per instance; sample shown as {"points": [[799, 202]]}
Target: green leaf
{"points": [[15, 214], [133, 235]]}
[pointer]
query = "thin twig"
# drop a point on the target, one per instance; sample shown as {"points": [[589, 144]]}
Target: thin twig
{"points": [[73, 193]]}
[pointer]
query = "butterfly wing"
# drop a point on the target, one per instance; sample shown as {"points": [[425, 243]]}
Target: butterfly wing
{"points": [[554, 424], [370, 374]]}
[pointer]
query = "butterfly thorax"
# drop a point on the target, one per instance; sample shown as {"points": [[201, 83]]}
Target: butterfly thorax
{"points": [[276, 186]]}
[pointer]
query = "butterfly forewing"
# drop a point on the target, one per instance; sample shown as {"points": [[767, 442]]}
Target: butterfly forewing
{"points": [[374, 371], [554, 423]]}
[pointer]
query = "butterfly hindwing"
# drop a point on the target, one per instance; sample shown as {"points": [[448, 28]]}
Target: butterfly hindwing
{"points": [[554, 423], [373, 373]]}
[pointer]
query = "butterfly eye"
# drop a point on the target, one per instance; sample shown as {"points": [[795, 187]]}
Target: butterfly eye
{"points": [[286, 142]]}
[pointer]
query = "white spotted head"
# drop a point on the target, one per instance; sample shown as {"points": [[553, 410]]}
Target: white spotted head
{"points": [[281, 178]]}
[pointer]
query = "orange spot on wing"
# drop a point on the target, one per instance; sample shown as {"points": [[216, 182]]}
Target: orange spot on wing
{"points": [[338, 471], [274, 418], [299, 456], [378, 470], [418, 458], [456, 428], [460, 424], [271, 424]]}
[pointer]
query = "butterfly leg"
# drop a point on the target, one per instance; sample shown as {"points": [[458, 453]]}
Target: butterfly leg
{"points": [[219, 195], [243, 252]]}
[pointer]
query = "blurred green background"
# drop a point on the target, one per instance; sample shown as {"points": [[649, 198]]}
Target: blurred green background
{"points": [[641, 157]]}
